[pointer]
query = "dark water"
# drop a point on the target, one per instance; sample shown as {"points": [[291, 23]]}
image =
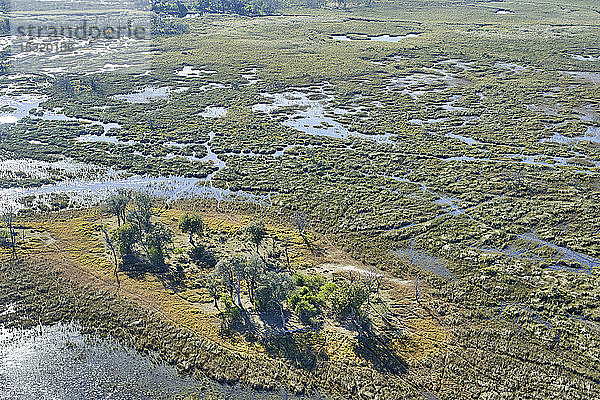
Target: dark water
{"points": [[59, 362]]}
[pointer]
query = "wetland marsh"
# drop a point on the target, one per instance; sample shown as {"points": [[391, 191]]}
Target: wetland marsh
{"points": [[444, 155]]}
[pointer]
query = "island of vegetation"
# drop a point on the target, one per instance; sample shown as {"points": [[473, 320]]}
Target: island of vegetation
{"points": [[341, 200]]}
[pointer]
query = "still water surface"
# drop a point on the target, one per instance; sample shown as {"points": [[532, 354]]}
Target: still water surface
{"points": [[59, 362]]}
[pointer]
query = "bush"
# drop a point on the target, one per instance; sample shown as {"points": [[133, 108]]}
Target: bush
{"points": [[347, 300], [202, 256], [305, 304], [231, 313], [326, 291], [305, 301], [126, 236], [307, 311], [156, 256], [313, 282]]}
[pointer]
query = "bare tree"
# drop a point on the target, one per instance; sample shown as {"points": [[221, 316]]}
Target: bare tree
{"points": [[232, 274], [372, 280], [417, 297], [111, 246], [9, 220], [253, 270], [301, 222], [213, 283]]}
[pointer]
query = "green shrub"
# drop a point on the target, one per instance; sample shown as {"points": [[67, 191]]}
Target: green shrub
{"points": [[202, 256], [305, 301], [156, 256], [126, 236], [231, 312]]}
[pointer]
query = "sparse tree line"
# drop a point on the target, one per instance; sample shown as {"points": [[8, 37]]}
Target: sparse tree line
{"points": [[336, 3], [242, 7], [257, 280]]}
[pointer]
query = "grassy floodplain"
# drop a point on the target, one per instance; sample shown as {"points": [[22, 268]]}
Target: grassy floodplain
{"points": [[452, 147]]}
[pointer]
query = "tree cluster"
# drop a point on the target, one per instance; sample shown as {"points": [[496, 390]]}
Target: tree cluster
{"points": [[258, 280], [139, 239], [241, 7]]}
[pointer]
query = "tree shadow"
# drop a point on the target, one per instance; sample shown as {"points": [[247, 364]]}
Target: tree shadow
{"points": [[137, 268], [296, 348], [172, 280], [272, 320], [379, 351], [243, 325], [314, 249]]}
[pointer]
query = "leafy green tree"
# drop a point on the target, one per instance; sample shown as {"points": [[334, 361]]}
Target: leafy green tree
{"points": [[157, 241], [253, 270], [126, 236], [192, 225], [348, 302], [256, 232], [140, 234], [273, 291], [117, 204]]}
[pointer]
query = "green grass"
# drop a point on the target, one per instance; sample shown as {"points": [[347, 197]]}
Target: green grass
{"points": [[346, 186]]}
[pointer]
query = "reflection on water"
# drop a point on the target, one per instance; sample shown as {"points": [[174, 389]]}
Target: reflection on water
{"points": [[311, 112], [146, 95], [584, 58], [83, 193], [593, 77], [189, 72], [59, 362], [213, 112], [378, 38], [21, 105]]}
